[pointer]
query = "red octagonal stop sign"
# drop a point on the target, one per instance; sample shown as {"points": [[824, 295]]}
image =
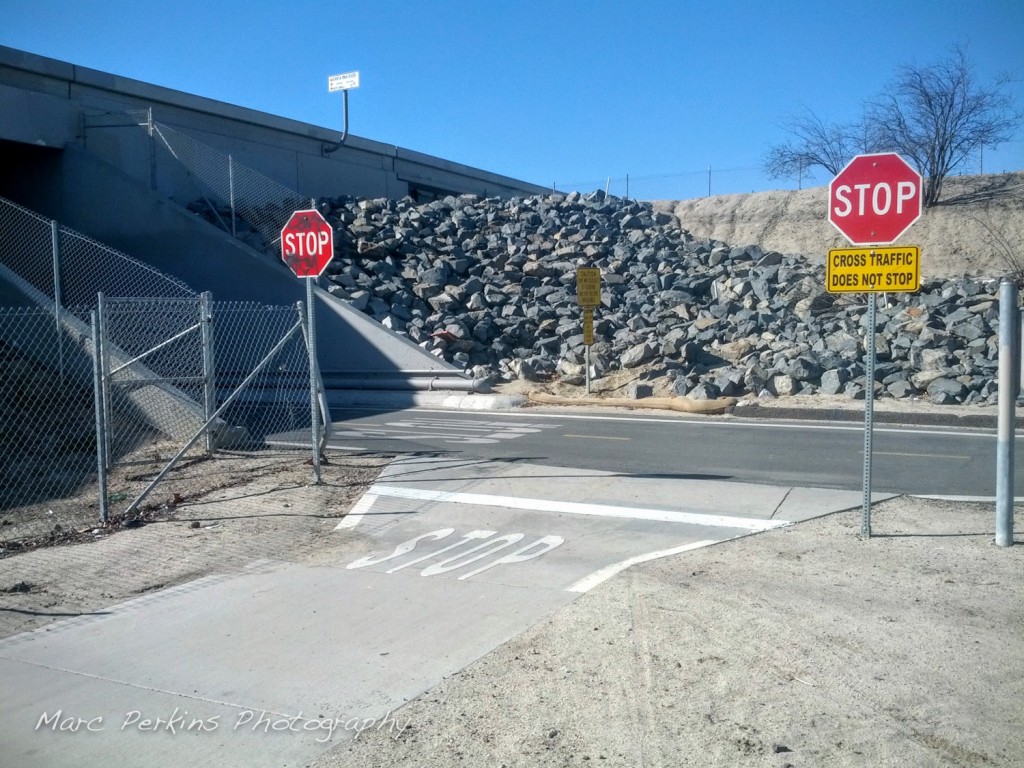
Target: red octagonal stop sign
{"points": [[875, 198], [307, 243]]}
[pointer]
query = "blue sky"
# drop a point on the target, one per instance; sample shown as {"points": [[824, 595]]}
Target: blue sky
{"points": [[552, 92]]}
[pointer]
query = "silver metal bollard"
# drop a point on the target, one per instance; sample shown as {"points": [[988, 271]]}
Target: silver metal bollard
{"points": [[1009, 362]]}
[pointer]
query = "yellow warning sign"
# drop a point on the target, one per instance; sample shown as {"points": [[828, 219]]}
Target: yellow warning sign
{"points": [[588, 326], [588, 286], [873, 270]]}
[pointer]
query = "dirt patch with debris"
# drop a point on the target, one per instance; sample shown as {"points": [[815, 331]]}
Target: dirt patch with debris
{"points": [[263, 507]]}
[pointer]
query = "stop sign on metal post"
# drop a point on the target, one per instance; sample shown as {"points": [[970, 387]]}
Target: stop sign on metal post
{"points": [[307, 243], [874, 199]]}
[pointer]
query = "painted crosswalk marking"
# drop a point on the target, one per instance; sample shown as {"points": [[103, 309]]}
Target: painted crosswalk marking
{"points": [[459, 431], [568, 507]]}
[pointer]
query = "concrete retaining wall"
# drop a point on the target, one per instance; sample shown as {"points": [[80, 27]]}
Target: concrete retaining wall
{"points": [[46, 102]]}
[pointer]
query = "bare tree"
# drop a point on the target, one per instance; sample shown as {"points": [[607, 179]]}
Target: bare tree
{"points": [[998, 238], [938, 116], [814, 144]]}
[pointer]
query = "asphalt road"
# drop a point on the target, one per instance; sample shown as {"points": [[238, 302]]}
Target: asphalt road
{"points": [[914, 460]]}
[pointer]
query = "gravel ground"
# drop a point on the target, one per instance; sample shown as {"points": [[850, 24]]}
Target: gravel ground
{"points": [[804, 646]]}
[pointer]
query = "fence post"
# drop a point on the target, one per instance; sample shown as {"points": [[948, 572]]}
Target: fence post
{"points": [[152, 148], [102, 351], [231, 193], [1009, 352], [58, 303], [101, 429], [209, 369]]}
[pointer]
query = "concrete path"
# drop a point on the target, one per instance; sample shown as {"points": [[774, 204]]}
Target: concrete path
{"points": [[446, 560]]}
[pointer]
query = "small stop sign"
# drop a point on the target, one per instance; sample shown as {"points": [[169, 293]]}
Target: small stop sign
{"points": [[307, 243], [875, 199]]}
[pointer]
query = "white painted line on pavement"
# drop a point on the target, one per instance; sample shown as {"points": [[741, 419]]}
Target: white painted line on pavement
{"points": [[355, 515], [597, 437], [691, 421], [964, 499], [923, 455], [576, 508], [597, 577]]}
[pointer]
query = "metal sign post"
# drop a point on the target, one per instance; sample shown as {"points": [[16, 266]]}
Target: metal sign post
{"points": [[588, 296], [314, 389], [588, 338], [869, 413], [344, 82], [874, 271]]}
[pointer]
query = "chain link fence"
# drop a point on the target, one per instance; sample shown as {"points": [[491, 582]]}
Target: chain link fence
{"points": [[239, 199], [47, 428], [113, 409], [150, 421], [48, 264]]}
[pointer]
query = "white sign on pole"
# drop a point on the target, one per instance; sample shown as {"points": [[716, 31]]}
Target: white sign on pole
{"points": [[343, 82]]}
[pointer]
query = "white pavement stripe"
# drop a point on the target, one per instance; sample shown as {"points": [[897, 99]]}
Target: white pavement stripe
{"points": [[702, 421], [587, 583], [355, 515], [965, 499], [576, 508]]}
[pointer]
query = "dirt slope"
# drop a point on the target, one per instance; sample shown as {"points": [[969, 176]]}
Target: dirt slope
{"points": [[953, 238]]}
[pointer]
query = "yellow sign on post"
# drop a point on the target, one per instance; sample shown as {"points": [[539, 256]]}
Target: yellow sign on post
{"points": [[873, 270], [588, 286]]}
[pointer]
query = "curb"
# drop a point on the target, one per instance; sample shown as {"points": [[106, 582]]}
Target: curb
{"points": [[973, 421], [394, 399], [472, 401]]}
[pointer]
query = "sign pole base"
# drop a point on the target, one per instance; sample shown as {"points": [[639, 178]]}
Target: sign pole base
{"points": [[588, 369]]}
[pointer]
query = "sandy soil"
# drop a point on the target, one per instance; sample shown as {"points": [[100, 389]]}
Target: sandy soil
{"points": [[954, 236], [805, 646]]}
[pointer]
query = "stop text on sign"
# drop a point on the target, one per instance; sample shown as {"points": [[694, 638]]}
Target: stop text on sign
{"points": [[873, 270], [306, 244], [855, 199]]}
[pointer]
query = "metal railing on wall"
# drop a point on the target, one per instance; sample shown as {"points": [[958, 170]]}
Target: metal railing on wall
{"points": [[239, 199], [67, 269]]}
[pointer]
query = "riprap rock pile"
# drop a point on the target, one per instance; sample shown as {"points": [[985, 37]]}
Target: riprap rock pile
{"points": [[489, 285]]}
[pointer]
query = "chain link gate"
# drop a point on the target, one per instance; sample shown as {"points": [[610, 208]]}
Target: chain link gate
{"points": [[155, 383], [157, 390]]}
